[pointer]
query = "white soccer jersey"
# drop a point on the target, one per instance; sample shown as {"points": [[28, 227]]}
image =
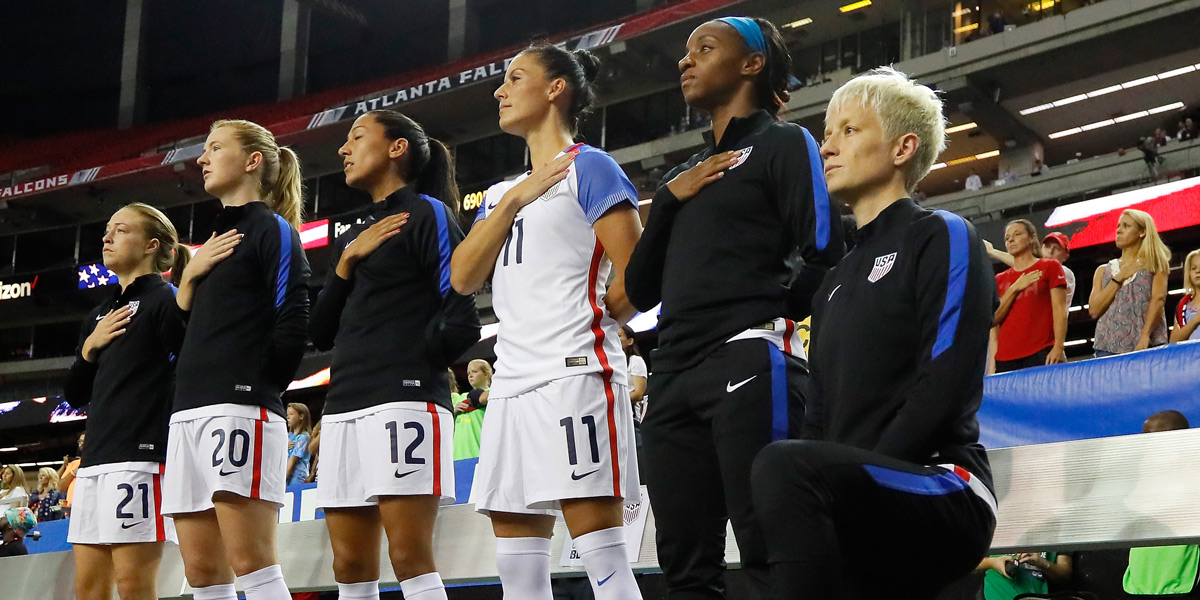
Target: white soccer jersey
{"points": [[549, 284]]}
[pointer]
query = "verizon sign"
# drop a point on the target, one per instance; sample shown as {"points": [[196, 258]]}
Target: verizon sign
{"points": [[13, 291]]}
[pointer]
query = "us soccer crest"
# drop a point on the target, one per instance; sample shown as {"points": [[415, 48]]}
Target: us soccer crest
{"points": [[743, 154], [133, 306], [883, 264]]}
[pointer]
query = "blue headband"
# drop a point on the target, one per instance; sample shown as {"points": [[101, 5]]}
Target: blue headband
{"points": [[750, 32]]}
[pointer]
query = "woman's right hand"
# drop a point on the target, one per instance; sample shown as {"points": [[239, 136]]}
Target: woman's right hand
{"points": [[368, 242], [689, 183], [539, 181], [109, 328], [215, 250], [1129, 270], [1026, 279]]}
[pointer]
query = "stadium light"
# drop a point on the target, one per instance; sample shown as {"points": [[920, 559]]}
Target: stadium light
{"points": [[966, 28], [1110, 89], [797, 23], [963, 127], [9, 449], [855, 6], [1129, 117]]}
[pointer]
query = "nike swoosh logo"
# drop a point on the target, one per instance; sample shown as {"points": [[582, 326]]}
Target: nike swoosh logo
{"points": [[224, 474], [601, 582], [578, 477], [730, 387], [400, 475], [833, 292], [128, 525]]}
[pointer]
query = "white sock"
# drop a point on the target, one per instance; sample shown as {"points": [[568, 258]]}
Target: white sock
{"points": [[424, 587], [221, 591], [524, 566], [366, 590], [265, 584], [607, 563]]}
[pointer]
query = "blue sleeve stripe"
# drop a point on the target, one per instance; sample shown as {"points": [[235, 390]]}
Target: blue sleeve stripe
{"points": [[285, 260], [820, 191], [956, 282], [779, 394], [443, 236], [936, 484], [597, 209]]}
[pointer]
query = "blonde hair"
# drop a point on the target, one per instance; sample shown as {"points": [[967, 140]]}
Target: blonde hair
{"points": [[305, 418], [172, 256], [484, 365], [51, 478], [1153, 252], [282, 185], [1187, 278], [18, 478], [903, 106]]}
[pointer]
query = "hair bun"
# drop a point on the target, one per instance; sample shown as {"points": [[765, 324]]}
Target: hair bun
{"points": [[589, 62]]}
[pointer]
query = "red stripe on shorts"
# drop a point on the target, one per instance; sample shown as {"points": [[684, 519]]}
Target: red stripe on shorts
{"points": [[437, 449], [161, 530], [258, 451], [606, 369], [788, 330]]}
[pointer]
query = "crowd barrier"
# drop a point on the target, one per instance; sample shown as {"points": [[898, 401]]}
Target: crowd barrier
{"points": [[1073, 482]]}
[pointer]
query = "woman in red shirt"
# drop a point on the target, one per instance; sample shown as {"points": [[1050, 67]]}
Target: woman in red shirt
{"points": [[1031, 321]]}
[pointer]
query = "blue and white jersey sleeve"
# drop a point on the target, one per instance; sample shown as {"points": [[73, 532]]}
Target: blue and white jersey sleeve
{"points": [[602, 183]]}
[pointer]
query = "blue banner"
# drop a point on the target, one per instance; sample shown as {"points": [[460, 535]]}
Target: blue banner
{"points": [[1091, 398]]}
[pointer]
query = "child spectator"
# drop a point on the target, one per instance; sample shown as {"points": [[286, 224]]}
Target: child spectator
{"points": [[1185, 314]]}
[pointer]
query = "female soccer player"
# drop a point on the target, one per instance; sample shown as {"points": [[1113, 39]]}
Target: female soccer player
{"points": [[394, 324], [559, 432], [729, 366], [891, 463], [245, 302], [123, 370]]}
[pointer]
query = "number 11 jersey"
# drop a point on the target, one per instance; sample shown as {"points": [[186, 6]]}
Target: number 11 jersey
{"points": [[548, 288]]}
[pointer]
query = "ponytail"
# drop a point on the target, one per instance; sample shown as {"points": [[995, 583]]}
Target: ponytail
{"points": [[437, 178], [171, 256], [430, 167], [183, 255], [287, 195], [282, 185]]}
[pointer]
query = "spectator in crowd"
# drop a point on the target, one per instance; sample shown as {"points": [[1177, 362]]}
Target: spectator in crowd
{"points": [[299, 421], [13, 488], [14, 524], [314, 448], [997, 22], [1010, 576], [638, 373], [471, 409], [66, 474], [1189, 306], [1055, 245], [44, 500], [1181, 131], [1128, 294], [1039, 167], [1189, 130], [1160, 137], [1162, 570], [974, 182], [1031, 320]]}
